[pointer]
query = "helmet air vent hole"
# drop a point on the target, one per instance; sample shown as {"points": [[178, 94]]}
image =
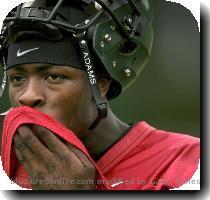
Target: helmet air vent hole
{"points": [[128, 47]]}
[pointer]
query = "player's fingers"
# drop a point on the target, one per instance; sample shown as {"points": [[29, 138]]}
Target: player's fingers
{"points": [[19, 146], [53, 143], [34, 166], [33, 143], [81, 156], [23, 153]]}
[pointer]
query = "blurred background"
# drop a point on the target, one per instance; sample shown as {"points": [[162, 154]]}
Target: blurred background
{"points": [[167, 92]]}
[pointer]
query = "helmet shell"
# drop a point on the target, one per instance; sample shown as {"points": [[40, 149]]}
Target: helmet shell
{"points": [[123, 58]]}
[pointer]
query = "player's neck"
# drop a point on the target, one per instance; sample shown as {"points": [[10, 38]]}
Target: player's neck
{"points": [[107, 133]]}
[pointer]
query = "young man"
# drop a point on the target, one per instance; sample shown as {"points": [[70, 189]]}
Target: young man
{"points": [[66, 60]]}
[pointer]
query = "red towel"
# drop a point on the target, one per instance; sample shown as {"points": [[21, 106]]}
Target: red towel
{"points": [[26, 115]]}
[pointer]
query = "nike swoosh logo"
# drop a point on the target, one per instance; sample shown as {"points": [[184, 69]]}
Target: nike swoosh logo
{"points": [[116, 184], [21, 53]]}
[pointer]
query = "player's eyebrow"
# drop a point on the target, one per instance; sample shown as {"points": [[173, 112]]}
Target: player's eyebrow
{"points": [[38, 68]]}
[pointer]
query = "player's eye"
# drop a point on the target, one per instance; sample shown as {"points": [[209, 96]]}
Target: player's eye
{"points": [[16, 79], [55, 77]]}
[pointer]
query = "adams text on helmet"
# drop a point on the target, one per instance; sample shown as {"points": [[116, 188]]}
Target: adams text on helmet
{"points": [[89, 68]]}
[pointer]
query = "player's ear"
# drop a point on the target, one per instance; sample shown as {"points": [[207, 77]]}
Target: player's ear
{"points": [[104, 84]]}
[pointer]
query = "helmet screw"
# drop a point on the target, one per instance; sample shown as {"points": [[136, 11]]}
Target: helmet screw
{"points": [[112, 28], [87, 21], [4, 28], [107, 37], [83, 43], [127, 72], [102, 44], [114, 63], [129, 20]]}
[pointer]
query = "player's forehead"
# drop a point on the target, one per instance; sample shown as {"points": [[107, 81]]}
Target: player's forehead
{"points": [[36, 67], [31, 66]]}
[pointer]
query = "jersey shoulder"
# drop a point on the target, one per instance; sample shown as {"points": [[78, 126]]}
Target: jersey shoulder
{"points": [[174, 156], [150, 159]]}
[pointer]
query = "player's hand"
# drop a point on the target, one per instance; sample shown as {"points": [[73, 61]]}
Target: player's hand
{"points": [[51, 163]]}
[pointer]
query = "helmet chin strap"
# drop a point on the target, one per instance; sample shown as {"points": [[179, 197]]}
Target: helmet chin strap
{"points": [[4, 79], [101, 105], [3, 84]]}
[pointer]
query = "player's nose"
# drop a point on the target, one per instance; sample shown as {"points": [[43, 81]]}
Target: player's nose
{"points": [[33, 95]]}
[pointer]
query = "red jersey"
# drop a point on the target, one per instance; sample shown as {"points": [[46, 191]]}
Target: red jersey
{"points": [[150, 159], [144, 159]]}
